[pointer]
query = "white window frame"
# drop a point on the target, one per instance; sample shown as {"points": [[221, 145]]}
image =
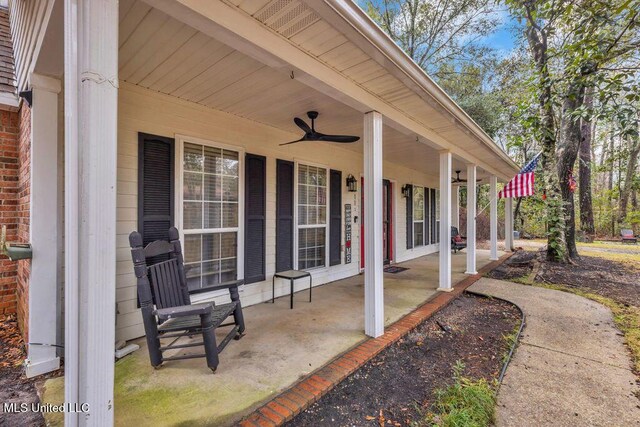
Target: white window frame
{"points": [[424, 205], [179, 220], [296, 249]]}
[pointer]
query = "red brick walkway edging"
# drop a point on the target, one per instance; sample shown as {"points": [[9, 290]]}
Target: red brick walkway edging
{"points": [[296, 399]]}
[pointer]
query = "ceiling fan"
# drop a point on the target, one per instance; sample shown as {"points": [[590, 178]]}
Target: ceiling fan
{"points": [[458, 180], [310, 133]]}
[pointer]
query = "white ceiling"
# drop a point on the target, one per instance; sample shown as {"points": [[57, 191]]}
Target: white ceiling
{"points": [[162, 54]]}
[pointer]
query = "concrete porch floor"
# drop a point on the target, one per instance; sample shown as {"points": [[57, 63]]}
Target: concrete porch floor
{"points": [[280, 347]]}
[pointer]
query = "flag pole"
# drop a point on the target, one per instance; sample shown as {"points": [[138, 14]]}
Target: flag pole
{"points": [[483, 209], [486, 206]]}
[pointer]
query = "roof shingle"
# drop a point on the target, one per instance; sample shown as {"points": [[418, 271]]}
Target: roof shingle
{"points": [[7, 67]]}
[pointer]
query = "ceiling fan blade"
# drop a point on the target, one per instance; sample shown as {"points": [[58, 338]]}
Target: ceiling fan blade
{"points": [[337, 138], [302, 125], [297, 140]]}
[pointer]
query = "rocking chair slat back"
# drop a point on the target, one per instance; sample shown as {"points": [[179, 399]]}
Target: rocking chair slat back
{"points": [[165, 279], [160, 271]]}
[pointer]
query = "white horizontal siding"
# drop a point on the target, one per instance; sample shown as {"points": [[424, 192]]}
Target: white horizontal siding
{"points": [[142, 110]]}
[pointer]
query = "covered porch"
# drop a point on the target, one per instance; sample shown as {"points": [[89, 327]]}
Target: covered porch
{"points": [[228, 78], [281, 347]]}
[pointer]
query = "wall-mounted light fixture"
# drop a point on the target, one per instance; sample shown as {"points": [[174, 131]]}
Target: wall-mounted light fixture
{"points": [[406, 190], [352, 183]]}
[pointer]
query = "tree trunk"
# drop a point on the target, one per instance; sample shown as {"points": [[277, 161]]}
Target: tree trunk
{"points": [[610, 181], [516, 213], [630, 171], [568, 146], [537, 39], [586, 203]]}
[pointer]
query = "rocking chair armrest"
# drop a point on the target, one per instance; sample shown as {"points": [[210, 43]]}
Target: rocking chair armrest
{"points": [[185, 310]]}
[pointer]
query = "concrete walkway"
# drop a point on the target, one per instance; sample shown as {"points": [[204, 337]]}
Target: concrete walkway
{"points": [[571, 367]]}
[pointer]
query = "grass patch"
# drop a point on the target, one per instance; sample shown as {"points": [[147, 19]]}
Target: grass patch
{"points": [[626, 318], [612, 245], [630, 260], [466, 402], [510, 340]]}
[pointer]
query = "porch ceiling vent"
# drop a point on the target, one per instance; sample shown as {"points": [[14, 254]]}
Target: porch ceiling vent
{"points": [[287, 17]]}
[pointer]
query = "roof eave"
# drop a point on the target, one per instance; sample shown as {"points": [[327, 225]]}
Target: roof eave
{"points": [[9, 101]]}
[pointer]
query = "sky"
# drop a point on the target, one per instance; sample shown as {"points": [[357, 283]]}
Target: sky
{"points": [[505, 38]]}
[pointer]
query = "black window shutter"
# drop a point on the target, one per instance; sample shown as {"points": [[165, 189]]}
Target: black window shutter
{"points": [[410, 217], [427, 215], [155, 186], [284, 215], [433, 215], [255, 217], [335, 215]]}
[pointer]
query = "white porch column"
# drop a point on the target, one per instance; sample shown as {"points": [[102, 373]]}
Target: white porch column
{"points": [[91, 99], [455, 207], [373, 262], [43, 228], [508, 224], [471, 218], [493, 217], [445, 222]]}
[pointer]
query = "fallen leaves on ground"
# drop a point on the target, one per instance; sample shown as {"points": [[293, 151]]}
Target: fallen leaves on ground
{"points": [[11, 344]]}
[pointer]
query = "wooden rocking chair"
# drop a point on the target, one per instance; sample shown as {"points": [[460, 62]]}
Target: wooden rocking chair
{"points": [[173, 315]]}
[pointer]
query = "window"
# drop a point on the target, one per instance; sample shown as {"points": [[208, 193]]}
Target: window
{"points": [[312, 216], [210, 196], [418, 216]]}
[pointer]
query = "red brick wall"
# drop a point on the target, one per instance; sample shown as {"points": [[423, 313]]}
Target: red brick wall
{"points": [[23, 199], [9, 169]]}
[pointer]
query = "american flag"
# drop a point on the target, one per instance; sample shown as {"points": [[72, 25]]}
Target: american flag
{"points": [[521, 185]]}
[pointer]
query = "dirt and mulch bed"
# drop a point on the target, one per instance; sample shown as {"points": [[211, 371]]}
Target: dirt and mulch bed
{"points": [[520, 264], [398, 387], [608, 278], [611, 279], [14, 386]]}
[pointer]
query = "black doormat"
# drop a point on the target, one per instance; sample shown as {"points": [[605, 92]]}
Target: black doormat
{"points": [[394, 269]]}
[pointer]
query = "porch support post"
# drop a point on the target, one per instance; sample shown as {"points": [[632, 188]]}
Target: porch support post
{"points": [[43, 229], [471, 219], [445, 222], [455, 207], [493, 217], [508, 223], [91, 100], [373, 265]]}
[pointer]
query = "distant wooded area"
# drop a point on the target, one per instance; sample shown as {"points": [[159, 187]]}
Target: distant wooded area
{"points": [[568, 88]]}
